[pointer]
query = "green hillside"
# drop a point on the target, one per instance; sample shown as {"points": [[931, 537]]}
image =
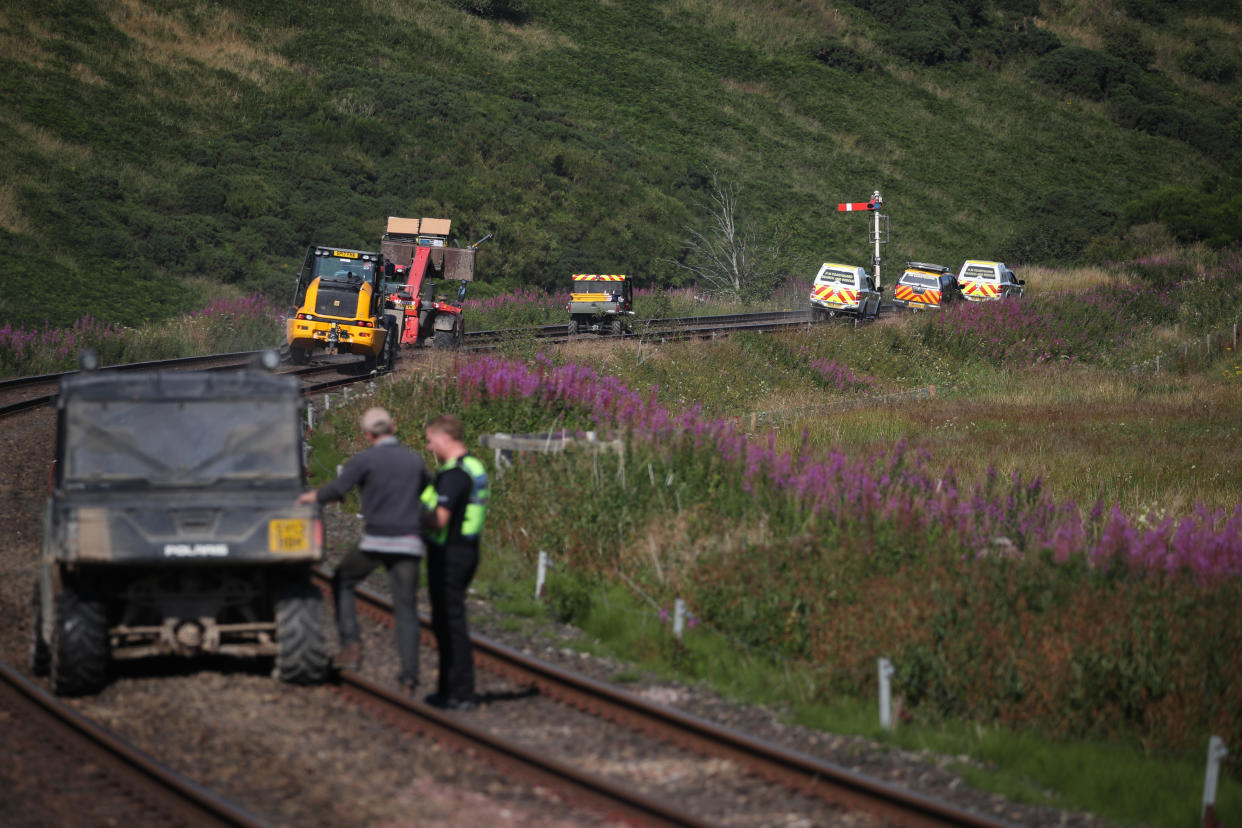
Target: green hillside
{"points": [[156, 150]]}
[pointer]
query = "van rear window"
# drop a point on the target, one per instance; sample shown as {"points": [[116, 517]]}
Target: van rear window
{"points": [[978, 272], [919, 280], [843, 276]]}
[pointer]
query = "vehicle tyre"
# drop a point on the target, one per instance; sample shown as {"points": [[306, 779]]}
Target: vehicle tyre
{"points": [[37, 654], [616, 327], [443, 340], [298, 356], [78, 652], [572, 327], [302, 656], [388, 357]]}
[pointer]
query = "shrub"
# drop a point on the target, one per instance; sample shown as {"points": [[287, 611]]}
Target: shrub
{"points": [[1082, 71], [1214, 61], [1189, 214], [515, 11], [1057, 227], [1127, 41], [1148, 11], [928, 45], [838, 55]]}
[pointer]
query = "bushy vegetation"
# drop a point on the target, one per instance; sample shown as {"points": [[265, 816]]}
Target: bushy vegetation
{"points": [[149, 144], [221, 327], [1000, 602]]}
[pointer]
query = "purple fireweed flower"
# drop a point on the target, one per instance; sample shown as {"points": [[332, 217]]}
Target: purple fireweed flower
{"points": [[896, 486]]}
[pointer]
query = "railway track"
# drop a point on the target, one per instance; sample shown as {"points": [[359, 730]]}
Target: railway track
{"points": [[73, 771], [674, 328], [796, 773]]}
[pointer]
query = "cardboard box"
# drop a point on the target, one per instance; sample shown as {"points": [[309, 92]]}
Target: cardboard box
{"points": [[435, 227], [402, 226]]}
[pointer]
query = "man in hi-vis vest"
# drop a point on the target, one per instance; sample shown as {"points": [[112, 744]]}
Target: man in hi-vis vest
{"points": [[456, 505]]}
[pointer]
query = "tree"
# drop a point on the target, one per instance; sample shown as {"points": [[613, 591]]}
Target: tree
{"points": [[728, 258]]}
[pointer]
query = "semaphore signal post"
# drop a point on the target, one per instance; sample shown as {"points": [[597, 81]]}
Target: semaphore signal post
{"points": [[879, 230]]}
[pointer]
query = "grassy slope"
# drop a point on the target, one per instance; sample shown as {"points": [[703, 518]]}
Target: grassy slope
{"points": [[151, 141]]}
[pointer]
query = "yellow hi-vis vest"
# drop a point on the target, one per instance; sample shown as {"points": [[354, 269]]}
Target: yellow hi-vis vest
{"points": [[476, 506]]}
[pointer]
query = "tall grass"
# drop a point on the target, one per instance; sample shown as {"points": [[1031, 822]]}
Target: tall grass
{"points": [[223, 326], [812, 554]]}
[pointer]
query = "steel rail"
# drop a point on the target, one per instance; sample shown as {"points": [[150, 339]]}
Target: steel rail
{"points": [[583, 788], [187, 800], [816, 777]]}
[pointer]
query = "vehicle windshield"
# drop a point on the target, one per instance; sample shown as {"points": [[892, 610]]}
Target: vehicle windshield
{"points": [[334, 269], [179, 443], [845, 277], [979, 272], [920, 280]]}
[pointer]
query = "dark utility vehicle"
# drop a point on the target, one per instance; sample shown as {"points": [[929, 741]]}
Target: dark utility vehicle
{"points": [[172, 529]]}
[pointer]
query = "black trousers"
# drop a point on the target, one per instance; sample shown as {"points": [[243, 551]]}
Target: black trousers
{"points": [[449, 572], [403, 583]]}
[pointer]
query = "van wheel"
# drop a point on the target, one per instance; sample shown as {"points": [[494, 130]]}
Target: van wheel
{"points": [[301, 657], [38, 657], [617, 327], [78, 651]]}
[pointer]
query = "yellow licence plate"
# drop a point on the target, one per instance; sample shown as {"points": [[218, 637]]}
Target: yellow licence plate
{"points": [[288, 536]]}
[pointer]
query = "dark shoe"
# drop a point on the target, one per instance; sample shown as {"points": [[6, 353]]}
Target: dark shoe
{"points": [[350, 656], [450, 702]]}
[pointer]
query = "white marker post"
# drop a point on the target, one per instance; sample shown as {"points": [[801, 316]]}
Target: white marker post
{"points": [[541, 575], [885, 669], [1216, 752], [679, 618]]}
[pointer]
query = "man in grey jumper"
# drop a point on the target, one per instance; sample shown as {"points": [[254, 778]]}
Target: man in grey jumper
{"points": [[391, 477]]}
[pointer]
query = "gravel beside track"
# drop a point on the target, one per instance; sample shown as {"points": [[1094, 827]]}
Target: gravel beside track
{"points": [[304, 756]]}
